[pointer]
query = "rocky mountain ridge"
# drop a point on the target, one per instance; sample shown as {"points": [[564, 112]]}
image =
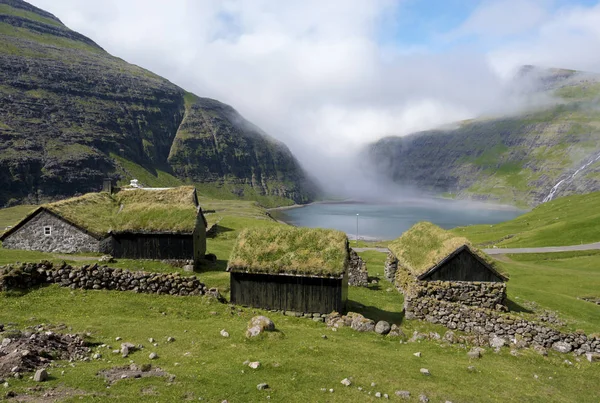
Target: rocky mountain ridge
{"points": [[72, 114], [524, 159]]}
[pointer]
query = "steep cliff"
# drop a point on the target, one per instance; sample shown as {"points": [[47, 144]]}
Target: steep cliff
{"points": [[71, 114], [514, 159]]}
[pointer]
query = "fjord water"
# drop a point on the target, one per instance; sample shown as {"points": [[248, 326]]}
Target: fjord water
{"points": [[390, 220]]}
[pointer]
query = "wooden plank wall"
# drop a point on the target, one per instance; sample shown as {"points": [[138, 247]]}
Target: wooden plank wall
{"points": [[463, 267], [152, 246], [289, 293]]}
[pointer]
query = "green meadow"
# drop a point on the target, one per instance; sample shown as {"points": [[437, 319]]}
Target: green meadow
{"points": [[296, 361]]}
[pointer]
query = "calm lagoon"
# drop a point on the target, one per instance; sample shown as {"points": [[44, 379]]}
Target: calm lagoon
{"points": [[390, 220]]}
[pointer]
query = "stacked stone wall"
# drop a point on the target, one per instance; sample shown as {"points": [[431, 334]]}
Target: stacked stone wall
{"points": [[357, 270], [480, 294], [511, 328], [390, 268], [99, 278]]}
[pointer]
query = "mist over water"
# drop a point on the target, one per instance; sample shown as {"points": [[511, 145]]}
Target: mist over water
{"points": [[390, 220]]}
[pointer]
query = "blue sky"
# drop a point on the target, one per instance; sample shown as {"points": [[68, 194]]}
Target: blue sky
{"points": [[423, 24]]}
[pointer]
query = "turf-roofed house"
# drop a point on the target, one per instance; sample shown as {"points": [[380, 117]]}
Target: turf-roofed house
{"points": [[296, 270], [427, 262], [135, 223]]}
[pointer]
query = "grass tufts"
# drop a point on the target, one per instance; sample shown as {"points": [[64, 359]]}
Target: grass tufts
{"points": [[290, 250]]}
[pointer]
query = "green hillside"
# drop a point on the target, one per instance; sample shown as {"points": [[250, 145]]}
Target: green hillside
{"points": [[512, 159], [570, 220], [72, 114]]}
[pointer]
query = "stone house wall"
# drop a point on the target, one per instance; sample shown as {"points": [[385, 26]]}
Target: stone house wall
{"points": [[63, 238], [490, 295]]}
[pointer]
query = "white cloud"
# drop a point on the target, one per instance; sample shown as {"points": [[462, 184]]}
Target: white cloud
{"points": [[315, 75], [568, 39], [497, 18]]}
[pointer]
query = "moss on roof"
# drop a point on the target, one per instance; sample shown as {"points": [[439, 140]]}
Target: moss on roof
{"points": [[164, 210], [425, 245], [290, 250]]}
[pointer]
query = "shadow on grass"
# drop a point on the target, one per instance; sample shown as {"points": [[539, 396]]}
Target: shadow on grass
{"points": [[219, 266], [514, 307], [372, 312]]}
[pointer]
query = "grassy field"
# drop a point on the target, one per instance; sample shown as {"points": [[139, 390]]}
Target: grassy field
{"points": [[296, 361], [565, 221]]}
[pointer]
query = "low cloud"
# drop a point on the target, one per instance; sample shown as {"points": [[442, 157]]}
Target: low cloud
{"points": [[317, 75]]}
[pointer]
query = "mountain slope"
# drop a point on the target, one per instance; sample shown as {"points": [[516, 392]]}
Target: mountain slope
{"points": [[514, 159], [71, 114]]}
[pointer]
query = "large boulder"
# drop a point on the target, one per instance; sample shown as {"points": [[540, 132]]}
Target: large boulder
{"points": [[258, 325], [382, 327]]}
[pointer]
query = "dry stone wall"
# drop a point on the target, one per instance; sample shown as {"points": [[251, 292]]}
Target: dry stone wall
{"points": [[99, 278], [357, 271], [390, 268], [480, 294], [63, 237], [497, 326]]}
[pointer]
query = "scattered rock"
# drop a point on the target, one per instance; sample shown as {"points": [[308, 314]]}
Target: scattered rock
{"points": [[540, 350], [425, 371], [150, 340], [258, 325], [395, 331], [97, 356], [324, 336], [423, 399], [346, 382], [254, 364], [153, 356], [497, 342], [131, 372], [562, 347], [40, 375], [106, 259], [593, 357], [386, 396], [471, 368], [382, 327], [403, 394], [224, 333], [170, 339], [377, 394], [417, 354], [474, 354], [262, 386], [188, 267]]}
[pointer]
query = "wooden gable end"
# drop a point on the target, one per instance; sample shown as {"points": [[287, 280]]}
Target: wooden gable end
{"points": [[462, 265]]}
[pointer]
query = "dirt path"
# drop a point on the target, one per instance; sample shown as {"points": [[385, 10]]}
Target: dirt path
{"points": [[507, 251], [548, 249]]}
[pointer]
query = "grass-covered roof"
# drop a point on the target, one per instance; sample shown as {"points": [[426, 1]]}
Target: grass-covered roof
{"points": [[425, 245], [131, 210], [290, 250]]}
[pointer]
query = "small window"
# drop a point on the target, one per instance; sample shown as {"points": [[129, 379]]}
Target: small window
{"points": [[47, 231]]}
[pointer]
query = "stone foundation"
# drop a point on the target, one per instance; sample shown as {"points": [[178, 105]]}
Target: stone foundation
{"points": [[99, 278]]}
